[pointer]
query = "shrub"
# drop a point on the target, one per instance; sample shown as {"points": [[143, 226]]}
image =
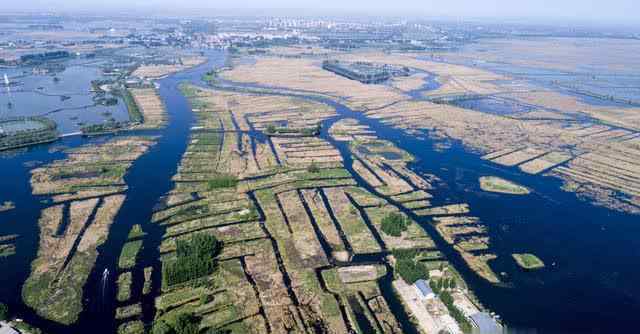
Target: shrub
{"points": [[313, 168]]}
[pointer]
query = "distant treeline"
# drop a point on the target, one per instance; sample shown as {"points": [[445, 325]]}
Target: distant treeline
{"points": [[46, 56]]}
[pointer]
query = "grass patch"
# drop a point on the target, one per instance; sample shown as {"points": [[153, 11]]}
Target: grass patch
{"points": [[502, 186], [124, 287], [136, 232], [222, 181], [528, 261], [132, 327], [129, 254]]}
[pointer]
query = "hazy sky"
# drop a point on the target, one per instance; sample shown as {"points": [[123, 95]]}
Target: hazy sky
{"points": [[584, 10]]}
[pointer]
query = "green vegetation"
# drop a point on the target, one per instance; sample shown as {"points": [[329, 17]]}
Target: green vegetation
{"points": [[502, 186], [528, 261], [394, 224], [455, 312], [161, 327], [313, 168], [4, 312], [183, 323], [210, 77], [60, 300], [194, 259], [7, 250], [136, 232], [129, 254], [132, 327], [124, 287], [222, 181], [135, 115], [408, 267], [146, 288], [128, 311], [24, 327], [304, 132], [110, 125], [187, 323], [7, 205]]}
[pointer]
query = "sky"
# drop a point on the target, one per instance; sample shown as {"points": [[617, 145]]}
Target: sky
{"points": [[583, 10]]}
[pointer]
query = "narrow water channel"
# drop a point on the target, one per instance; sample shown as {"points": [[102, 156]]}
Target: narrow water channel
{"points": [[588, 286], [590, 251]]}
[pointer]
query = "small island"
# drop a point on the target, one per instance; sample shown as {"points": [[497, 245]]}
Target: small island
{"points": [[6, 206], [497, 185], [528, 261]]}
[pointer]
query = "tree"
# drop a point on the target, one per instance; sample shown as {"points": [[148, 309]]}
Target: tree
{"points": [[160, 327], [187, 323], [4, 312], [434, 286], [411, 271], [394, 224], [195, 258], [205, 299]]}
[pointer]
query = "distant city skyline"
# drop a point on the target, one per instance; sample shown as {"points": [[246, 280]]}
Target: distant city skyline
{"points": [[580, 10]]}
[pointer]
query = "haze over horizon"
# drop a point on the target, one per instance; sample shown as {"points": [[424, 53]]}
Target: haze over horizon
{"points": [[621, 11]]}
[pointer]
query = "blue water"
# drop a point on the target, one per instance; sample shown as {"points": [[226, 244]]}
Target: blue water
{"points": [[40, 95]]}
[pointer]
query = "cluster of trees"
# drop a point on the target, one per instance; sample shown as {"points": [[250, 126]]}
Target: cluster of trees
{"points": [[455, 312], [110, 126], [222, 181], [135, 115], [408, 268], [195, 258], [313, 131], [442, 284], [185, 323], [394, 224]]}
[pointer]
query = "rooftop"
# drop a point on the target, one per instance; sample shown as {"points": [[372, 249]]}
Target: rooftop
{"points": [[423, 287], [485, 323]]}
